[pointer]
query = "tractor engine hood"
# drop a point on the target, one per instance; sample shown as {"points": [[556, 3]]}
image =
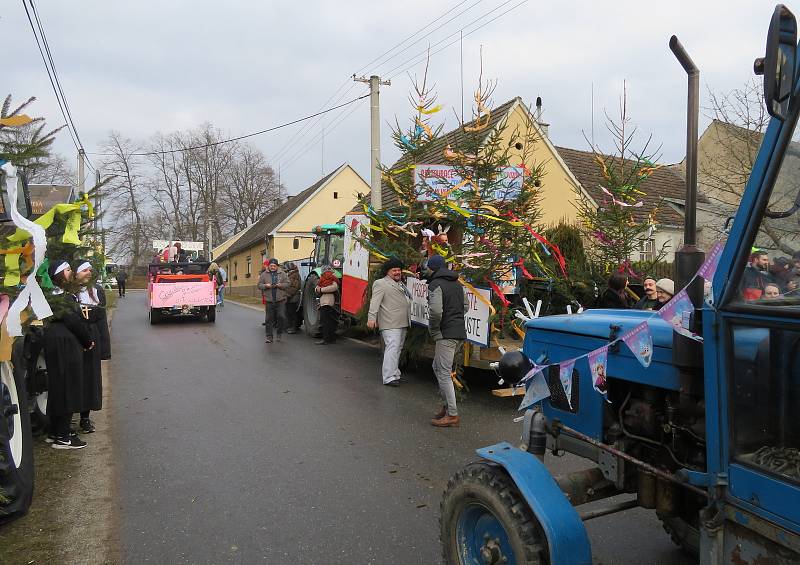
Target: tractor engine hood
{"points": [[553, 339]]}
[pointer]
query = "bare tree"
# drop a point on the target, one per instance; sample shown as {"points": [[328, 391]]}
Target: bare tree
{"points": [[125, 196], [168, 185], [728, 151], [51, 170], [252, 191]]}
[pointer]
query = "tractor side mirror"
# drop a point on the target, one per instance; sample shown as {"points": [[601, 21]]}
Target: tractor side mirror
{"points": [[23, 198], [778, 64]]}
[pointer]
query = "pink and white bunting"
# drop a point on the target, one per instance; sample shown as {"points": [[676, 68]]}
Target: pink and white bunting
{"points": [[677, 312], [709, 266], [565, 376], [640, 341], [598, 359]]}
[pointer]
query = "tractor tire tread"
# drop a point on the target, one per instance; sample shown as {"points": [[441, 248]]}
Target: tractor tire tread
{"points": [[526, 525]]}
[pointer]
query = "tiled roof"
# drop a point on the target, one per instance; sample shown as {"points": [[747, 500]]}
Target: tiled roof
{"points": [[663, 183], [263, 227], [434, 153]]}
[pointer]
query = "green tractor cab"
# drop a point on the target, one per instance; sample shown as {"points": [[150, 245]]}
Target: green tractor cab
{"points": [[328, 254]]}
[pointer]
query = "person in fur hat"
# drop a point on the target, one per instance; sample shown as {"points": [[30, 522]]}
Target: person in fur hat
{"points": [[389, 312]]}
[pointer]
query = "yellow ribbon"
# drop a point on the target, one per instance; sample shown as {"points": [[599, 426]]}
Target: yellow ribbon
{"points": [[73, 221], [430, 111], [16, 121], [12, 256]]}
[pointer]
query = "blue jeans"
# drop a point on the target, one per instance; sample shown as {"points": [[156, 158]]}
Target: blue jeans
{"points": [[220, 295]]}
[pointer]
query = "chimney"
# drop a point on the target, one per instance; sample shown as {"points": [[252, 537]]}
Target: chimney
{"points": [[538, 115]]}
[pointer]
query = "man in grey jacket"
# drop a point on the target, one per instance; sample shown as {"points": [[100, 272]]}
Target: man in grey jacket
{"points": [[447, 304], [389, 311], [274, 284]]}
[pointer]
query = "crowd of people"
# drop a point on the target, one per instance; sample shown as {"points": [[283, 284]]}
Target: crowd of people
{"points": [[389, 313], [76, 340], [765, 280], [618, 295]]}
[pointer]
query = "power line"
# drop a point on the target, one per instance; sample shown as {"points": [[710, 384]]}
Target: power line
{"points": [[420, 30], [455, 33], [332, 126], [49, 75], [295, 140], [215, 143], [514, 7], [54, 80]]}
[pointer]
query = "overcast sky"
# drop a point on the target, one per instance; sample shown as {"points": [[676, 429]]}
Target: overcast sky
{"points": [[143, 67]]}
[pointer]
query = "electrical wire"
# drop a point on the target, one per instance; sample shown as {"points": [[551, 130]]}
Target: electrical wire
{"points": [[220, 142], [336, 122], [47, 56], [298, 137], [427, 53]]}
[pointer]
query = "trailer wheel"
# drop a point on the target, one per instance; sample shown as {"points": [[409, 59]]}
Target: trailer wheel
{"points": [[155, 316], [484, 519], [16, 448], [211, 314], [310, 310], [682, 533]]}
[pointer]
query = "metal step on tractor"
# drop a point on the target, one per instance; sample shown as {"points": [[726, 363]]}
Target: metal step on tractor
{"points": [[706, 435]]}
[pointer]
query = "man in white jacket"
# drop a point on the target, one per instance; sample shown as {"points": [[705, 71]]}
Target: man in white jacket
{"points": [[389, 311]]}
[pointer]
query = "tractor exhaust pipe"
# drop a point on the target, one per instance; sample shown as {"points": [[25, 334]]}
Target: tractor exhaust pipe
{"points": [[687, 354]]}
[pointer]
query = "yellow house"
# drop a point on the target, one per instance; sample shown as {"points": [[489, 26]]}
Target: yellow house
{"points": [[285, 233], [515, 120], [566, 174]]}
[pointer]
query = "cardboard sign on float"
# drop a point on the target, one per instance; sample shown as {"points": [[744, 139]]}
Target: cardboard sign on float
{"points": [[355, 271], [476, 320]]}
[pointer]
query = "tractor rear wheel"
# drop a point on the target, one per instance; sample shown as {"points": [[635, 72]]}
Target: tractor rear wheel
{"points": [[16, 448], [310, 310], [211, 314], [484, 519]]}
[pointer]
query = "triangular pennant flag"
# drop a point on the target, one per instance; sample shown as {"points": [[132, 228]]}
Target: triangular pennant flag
{"points": [[640, 341], [532, 373], [709, 266], [677, 313], [537, 390], [597, 366], [565, 376]]}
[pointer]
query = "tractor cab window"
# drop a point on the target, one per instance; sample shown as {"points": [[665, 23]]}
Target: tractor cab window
{"points": [[337, 250], [764, 358], [771, 277], [320, 249]]}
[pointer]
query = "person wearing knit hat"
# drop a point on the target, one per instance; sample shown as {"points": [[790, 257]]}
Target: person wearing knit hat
{"points": [[66, 337], [665, 290], [389, 312]]}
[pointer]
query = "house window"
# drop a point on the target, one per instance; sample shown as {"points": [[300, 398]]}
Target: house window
{"points": [[647, 250], [235, 270], [249, 267], [335, 195]]}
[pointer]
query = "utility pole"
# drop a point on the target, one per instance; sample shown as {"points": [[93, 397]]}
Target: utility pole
{"points": [[81, 158], [375, 136]]}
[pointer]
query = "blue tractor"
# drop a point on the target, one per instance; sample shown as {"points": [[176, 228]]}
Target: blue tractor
{"points": [[705, 435]]}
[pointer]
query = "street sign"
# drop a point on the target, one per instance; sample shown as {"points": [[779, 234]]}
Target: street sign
{"points": [[443, 180], [476, 320]]}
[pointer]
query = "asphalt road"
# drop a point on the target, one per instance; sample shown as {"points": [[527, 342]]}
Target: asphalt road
{"points": [[233, 451]]}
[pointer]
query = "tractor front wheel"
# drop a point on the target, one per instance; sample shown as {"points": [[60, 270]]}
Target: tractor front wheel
{"points": [[16, 447], [484, 519], [310, 309]]}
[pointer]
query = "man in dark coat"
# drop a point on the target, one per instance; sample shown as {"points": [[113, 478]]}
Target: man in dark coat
{"points": [[756, 276], [650, 299], [447, 304], [122, 278]]}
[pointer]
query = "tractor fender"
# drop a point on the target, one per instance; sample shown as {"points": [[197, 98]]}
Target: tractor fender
{"points": [[566, 537]]}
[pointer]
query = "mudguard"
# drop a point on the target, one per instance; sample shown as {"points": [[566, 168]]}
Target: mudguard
{"points": [[563, 528]]}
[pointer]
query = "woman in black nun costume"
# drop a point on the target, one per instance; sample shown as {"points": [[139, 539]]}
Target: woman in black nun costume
{"points": [[92, 299], [66, 337]]}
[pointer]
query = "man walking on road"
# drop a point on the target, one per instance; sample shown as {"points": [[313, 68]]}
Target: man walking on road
{"points": [[447, 304], [389, 311], [122, 276], [273, 284]]}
